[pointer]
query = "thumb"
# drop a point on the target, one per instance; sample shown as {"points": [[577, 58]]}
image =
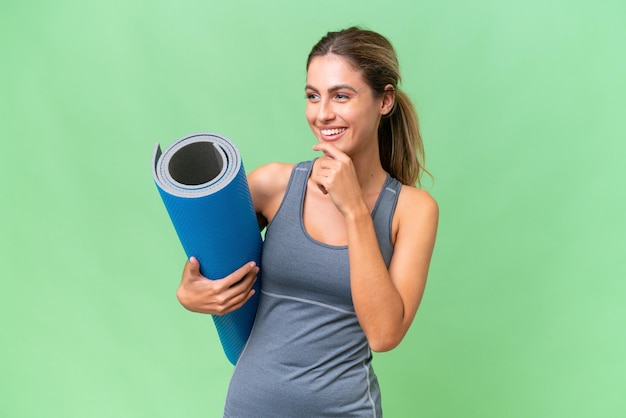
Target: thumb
{"points": [[193, 266]]}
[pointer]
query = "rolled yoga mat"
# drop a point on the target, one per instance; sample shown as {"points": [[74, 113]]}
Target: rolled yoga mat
{"points": [[203, 185]]}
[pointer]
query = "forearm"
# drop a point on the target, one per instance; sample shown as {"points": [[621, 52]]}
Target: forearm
{"points": [[377, 302]]}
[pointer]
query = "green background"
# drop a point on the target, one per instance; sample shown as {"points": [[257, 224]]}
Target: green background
{"points": [[522, 108]]}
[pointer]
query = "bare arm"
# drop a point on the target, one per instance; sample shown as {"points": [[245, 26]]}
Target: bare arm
{"points": [[385, 300], [267, 187]]}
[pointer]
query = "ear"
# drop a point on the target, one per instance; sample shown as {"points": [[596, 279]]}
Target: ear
{"points": [[388, 100]]}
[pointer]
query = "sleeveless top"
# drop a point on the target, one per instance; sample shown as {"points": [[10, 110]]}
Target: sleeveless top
{"points": [[307, 355]]}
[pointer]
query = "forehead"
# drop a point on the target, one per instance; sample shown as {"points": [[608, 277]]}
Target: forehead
{"points": [[331, 70]]}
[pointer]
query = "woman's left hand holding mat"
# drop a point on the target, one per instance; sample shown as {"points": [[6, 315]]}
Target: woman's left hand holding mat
{"points": [[215, 296]]}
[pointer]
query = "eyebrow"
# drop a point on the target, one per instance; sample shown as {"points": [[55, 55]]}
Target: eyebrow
{"points": [[333, 88]]}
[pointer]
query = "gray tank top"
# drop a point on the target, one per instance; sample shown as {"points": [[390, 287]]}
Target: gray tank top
{"points": [[307, 355]]}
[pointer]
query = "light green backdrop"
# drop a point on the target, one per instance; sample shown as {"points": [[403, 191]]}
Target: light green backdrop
{"points": [[522, 106]]}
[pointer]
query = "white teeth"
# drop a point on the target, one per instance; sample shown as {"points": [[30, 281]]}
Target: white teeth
{"points": [[332, 131]]}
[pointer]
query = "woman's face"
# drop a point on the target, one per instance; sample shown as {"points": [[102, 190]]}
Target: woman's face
{"points": [[341, 107]]}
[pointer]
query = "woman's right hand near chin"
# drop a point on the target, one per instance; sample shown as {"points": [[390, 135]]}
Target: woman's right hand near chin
{"points": [[217, 297]]}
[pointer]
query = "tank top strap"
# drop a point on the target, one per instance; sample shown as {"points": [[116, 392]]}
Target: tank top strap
{"points": [[291, 205], [297, 184], [300, 177], [382, 215]]}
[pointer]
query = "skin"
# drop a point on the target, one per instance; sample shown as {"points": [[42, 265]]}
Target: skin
{"points": [[343, 113]]}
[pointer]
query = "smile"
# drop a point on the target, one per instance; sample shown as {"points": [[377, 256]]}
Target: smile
{"points": [[332, 131]]}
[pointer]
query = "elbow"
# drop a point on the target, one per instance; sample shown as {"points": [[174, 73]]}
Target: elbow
{"points": [[383, 344], [386, 337]]}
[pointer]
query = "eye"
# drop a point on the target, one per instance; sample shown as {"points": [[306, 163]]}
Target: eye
{"points": [[342, 97], [312, 97]]}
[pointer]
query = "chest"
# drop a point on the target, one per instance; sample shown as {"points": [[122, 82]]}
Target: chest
{"points": [[322, 220]]}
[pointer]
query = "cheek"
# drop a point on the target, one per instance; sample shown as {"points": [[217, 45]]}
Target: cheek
{"points": [[309, 114], [370, 118]]}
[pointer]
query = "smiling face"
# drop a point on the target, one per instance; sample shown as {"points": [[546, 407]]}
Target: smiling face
{"points": [[341, 107]]}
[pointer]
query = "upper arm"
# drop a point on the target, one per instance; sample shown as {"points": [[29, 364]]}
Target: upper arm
{"points": [[417, 217], [267, 187]]}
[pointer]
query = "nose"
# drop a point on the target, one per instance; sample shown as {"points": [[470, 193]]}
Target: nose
{"points": [[325, 111]]}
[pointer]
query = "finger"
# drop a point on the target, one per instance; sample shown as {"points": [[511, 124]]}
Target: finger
{"points": [[245, 297], [330, 150], [231, 304], [240, 273], [251, 278], [245, 283], [324, 147], [238, 294], [241, 289], [192, 269], [194, 265], [327, 163], [320, 180]]}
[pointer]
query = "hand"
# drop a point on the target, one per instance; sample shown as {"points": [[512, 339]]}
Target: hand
{"points": [[217, 297], [335, 175]]}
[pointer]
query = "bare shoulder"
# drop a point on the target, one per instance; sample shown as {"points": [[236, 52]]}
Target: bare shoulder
{"points": [[269, 179], [268, 184], [417, 199], [417, 207]]}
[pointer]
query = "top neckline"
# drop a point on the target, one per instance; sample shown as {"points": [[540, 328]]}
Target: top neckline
{"points": [[304, 186]]}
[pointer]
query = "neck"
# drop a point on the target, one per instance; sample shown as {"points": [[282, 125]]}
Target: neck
{"points": [[369, 171]]}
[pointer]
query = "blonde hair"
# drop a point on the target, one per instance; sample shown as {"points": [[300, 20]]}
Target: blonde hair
{"points": [[399, 140]]}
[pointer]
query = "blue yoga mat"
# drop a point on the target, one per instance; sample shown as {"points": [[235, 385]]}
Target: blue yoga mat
{"points": [[203, 185]]}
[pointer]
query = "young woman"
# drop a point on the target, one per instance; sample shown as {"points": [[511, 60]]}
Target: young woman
{"points": [[347, 248]]}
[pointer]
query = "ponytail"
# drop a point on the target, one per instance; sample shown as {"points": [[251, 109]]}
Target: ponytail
{"points": [[400, 143]]}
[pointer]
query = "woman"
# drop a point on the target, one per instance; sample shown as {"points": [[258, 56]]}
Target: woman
{"points": [[347, 248]]}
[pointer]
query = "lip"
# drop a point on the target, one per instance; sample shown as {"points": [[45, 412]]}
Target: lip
{"points": [[333, 137]]}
